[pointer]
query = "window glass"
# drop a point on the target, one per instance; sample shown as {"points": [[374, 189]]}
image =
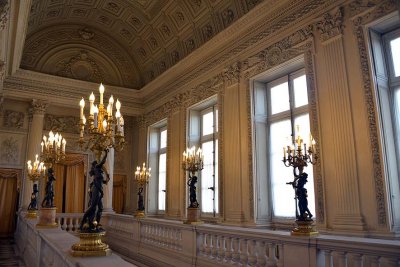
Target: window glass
{"points": [[207, 203], [300, 91], [162, 178], [279, 98], [283, 203], [208, 123], [163, 139], [216, 176], [395, 47]]}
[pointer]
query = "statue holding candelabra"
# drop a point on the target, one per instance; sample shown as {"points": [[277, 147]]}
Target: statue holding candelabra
{"points": [[52, 151], [104, 131], [193, 161], [35, 172], [142, 176], [298, 157]]}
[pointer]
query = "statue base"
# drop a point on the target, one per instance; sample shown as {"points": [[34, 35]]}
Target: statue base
{"points": [[304, 228], [193, 216], [139, 214], [90, 244], [47, 218], [31, 214]]}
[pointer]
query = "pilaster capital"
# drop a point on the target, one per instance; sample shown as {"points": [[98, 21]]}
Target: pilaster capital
{"points": [[38, 107], [4, 13], [331, 24]]}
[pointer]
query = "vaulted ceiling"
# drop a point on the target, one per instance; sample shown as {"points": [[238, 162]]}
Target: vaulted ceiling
{"points": [[126, 43]]}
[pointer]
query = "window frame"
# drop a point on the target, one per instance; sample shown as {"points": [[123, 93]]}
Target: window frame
{"points": [[162, 150]]}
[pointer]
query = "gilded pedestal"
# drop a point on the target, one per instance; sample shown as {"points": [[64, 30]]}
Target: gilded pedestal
{"points": [[304, 228], [90, 244], [47, 218], [139, 214], [31, 214], [193, 216]]}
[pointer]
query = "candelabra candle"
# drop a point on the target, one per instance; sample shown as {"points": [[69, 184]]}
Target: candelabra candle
{"points": [[37, 170], [105, 130], [53, 148], [193, 160], [142, 175]]}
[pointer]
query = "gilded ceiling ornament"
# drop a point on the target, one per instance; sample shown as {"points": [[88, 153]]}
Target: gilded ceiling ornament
{"points": [[86, 34], [228, 16]]}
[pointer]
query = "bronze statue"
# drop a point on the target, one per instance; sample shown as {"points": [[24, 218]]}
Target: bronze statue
{"points": [[91, 219], [48, 201], [302, 213], [192, 191], [33, 204], [140, 202]]}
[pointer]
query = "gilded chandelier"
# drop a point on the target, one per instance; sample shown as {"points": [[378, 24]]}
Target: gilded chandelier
{"points": [[142, 175], [293, 155], [105, 129], [193, 160], [37, 170], [53, 148]]}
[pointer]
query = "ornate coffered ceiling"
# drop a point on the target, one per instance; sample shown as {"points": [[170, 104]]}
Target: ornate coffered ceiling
{"points": [[126, 43]]}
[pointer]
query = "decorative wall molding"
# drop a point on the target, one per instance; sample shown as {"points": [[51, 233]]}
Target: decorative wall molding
{"points": [[331, 24], [65, 124], [4, 13], [13, 119], [376, 11], [10, 150]]}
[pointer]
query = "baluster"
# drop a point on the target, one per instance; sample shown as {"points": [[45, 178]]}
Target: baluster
{"points": [[208, 245], [221, 248], [261, 253], [201, 243], [176, 239], [235, 253], [279, 257], [228, 249], [243, 252], [328, 258], [339, 259], [62, 220], [252, 252], [271, 262], [214, 246], [354, 260], [370, 261]]}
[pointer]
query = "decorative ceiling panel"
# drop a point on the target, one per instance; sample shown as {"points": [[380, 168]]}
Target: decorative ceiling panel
{"points": [[122, 42]]}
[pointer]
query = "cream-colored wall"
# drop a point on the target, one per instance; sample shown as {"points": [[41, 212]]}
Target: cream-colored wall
{"points": [[350, 180]]}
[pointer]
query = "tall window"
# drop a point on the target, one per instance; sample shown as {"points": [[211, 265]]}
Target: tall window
{"points": [[385, 46], [158, 163], [203, 132], [280, 103], [287, 112]]}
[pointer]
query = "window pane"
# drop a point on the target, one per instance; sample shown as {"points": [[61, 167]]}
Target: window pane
{"points": [[282, 194], [304, 124], [216, 177], [279, 98], [208, 123], [396, 116], [163, 139], [395, 47], [207, 203], [162, 179], [300, 91]]}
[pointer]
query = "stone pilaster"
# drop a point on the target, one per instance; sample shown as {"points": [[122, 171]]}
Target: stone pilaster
{"points": [[342, 151], [36, 113], [108, 188]]}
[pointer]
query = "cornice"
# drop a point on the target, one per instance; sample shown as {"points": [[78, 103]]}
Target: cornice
{"points": [[59, 91]]}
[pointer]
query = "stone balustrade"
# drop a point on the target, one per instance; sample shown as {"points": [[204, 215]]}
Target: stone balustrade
{"points": [[69, 221]]}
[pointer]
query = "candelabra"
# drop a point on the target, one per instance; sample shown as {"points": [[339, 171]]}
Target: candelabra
{"points": [[53, 148], [293, 156], [193, 161], [35, 172], [142, 176], [105, 129]]}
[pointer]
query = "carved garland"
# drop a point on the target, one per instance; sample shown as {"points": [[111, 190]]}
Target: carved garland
{"points": [[359, 23]]}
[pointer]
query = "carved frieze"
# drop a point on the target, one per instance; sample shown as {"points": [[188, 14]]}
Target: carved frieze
{"points": [[9, 150], [13, 119], [65, 124], [331, 24], [4, 13], [86, 34]]}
